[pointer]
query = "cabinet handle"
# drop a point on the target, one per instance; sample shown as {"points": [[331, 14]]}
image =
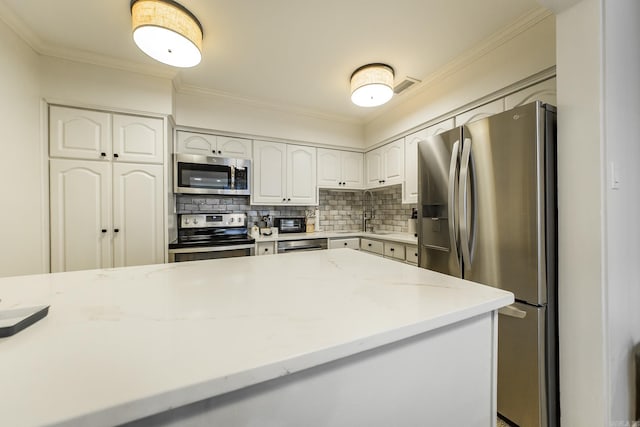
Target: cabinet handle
{"points": [[392, 249], [115, 155], [345, 243], [284, 199], [369, 244], [288, 200], [266, 249], [213, 151], [416, 254], [104, 230], [103, 154], [115, 230]]}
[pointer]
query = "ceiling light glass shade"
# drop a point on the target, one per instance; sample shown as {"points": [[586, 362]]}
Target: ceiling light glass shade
{"points": [[167, 32], [372, 85]]}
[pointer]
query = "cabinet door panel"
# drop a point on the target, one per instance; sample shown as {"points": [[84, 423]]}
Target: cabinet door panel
{"points": [[269, 172], [352, 169], [544, 91], [79, 134], [329, 168], [138, 139], [197, 143], [234, 147], [410, 190], [480, 112], [301, 179], [393, 158], [80, 210], [373, 160], [138, 214]]}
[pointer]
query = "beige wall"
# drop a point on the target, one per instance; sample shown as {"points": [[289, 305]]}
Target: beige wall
{"points": [[22, 218], [237, 116], [523, 55]]}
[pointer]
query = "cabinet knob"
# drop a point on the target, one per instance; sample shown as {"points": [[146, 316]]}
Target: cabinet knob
{"points": [[115, 155], [369, 244], [213, 151], [416, 254], [266, 249], [219, 151], [284, 199], [345, 243], [103, 154], [392, 249], [115, 230], [288, 200], [104, 230]]}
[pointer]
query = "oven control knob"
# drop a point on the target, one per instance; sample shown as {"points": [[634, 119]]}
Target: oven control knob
{"points": [[186, 221], [231, 220], [195, 220]]}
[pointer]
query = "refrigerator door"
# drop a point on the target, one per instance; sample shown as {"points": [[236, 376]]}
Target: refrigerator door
{"points": [[502, 203], [437, 226], [522, 388]]}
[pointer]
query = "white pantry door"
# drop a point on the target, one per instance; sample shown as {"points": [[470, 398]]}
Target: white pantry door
{"points": [[80, 215], [138, 235]]}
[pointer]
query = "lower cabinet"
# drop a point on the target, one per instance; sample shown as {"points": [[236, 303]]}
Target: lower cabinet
{"points": [[347, 242], [265, 248], [105, 215], [392, 250]]}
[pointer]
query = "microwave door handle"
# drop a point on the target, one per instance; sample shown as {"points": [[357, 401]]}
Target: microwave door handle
{"points": [[233, 177]]}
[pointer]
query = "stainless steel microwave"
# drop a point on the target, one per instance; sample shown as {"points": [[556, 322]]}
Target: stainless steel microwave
{"points": [[196, 174]]}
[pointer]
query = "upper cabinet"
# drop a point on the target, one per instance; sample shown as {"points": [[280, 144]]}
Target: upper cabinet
{"points": [[213, 145], [480, 112], [410, 187], [94, 135], [283, 174], [544, 91], [340, 169], [385, 165]]}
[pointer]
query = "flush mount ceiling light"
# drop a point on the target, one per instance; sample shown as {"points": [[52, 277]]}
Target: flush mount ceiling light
{"points": [[372, 85], [167, 32]]}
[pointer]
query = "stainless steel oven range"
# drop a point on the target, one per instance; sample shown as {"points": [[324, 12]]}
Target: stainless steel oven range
{"points": [[211, 236]]}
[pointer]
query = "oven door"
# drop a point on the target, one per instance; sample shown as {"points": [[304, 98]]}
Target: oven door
{"points": [[210, 252]]}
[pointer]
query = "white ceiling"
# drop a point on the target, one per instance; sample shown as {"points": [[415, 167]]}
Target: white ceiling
{"points": [[292, 53]]}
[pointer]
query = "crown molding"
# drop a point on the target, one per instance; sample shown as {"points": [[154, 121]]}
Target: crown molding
{"points": [[23, 31], [494, 41], [258, 103]]}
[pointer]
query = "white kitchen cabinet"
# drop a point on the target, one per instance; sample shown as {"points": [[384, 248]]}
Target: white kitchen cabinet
{"points": [[544, 91], [105, 215], [394, 250], [410, 187], [95, 135], [480, 112], [138, 220], [340, 169], [345, 242], [213, 145], [81, 226], [374, 246], [385, 165], [284, 174], [411, 252], [265, 248]]}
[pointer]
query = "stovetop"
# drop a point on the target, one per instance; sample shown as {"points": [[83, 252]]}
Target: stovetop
{"points": [[219, 229]]}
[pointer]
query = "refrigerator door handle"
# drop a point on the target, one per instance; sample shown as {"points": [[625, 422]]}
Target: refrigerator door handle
{"points": [[512, 311], [467, 168], [451, 208]]}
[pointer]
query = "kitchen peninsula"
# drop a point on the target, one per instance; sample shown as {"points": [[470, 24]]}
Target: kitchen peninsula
{"points": [[335, 337]]}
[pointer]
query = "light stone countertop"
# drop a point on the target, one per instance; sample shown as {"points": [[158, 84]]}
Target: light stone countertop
{"points": [[121, 344], [385, 235]]}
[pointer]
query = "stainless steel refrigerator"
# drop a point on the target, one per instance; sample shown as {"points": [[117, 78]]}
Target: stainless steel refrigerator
{"points": [[487, 213]]}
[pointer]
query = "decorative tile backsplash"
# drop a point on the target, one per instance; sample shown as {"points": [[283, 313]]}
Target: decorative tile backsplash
{"points": [[339, 209]]}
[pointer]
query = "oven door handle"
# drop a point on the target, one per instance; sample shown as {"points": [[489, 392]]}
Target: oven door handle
{"points": [[209, 249], [301, 248]]}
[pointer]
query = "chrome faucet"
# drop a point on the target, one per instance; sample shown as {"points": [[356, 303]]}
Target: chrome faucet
{"points": [[367, 216]]}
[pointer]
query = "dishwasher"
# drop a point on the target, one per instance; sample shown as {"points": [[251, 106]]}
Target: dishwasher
{"points": [[289, 246]]}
